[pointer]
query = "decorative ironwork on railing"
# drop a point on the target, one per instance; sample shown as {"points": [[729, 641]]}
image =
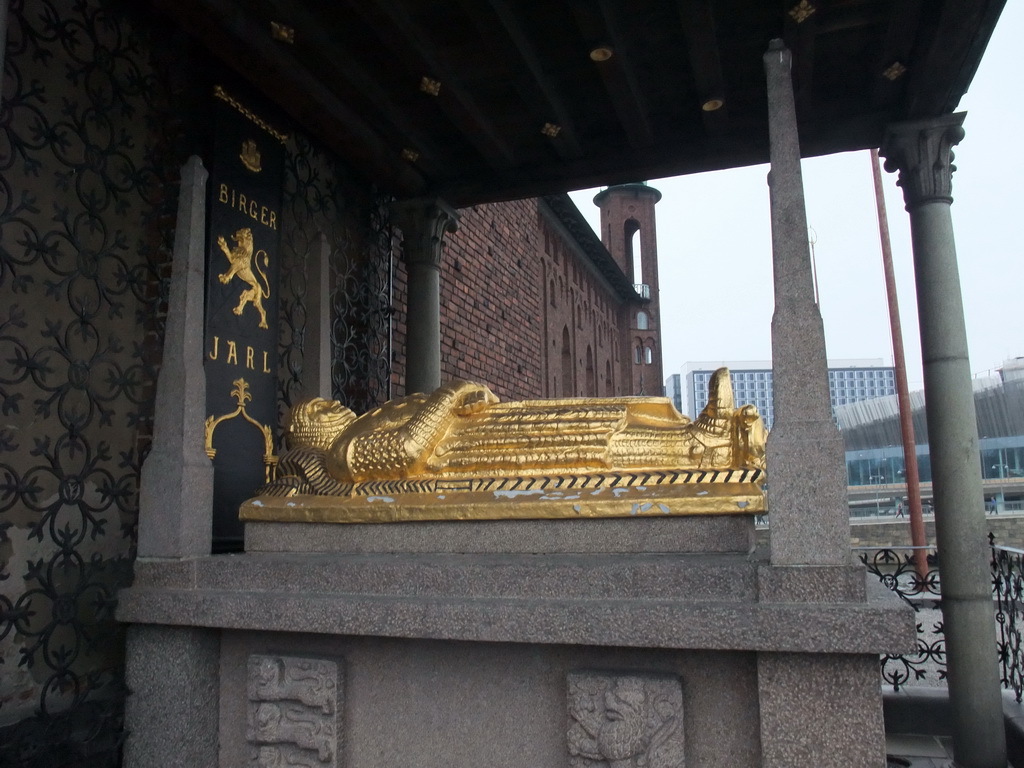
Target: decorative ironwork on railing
{"points": [[643, 290], [897, 568], [1008, 589], [919, 587]]}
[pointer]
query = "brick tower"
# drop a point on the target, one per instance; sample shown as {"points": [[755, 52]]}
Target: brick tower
{"points": [[628, 232]]}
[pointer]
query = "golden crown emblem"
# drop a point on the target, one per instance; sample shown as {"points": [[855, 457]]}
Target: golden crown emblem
{"points": [[250, 156]]}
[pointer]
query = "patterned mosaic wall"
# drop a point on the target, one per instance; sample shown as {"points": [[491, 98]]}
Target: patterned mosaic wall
{"points": [[86, 183], [92, 142], [321, 199]]}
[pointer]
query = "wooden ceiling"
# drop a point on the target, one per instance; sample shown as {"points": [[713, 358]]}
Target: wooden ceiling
{"points": [[522, 109]]}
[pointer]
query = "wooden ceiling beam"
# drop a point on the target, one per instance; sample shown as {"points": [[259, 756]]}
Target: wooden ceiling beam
{"points": [[623, 168], [342, 66], [904, 21], [412, 46], [247, 47], [616, 75], [537, 88], [950, 56], [799, 37], [658, 162], [846, 19], [615, 23], [698, 22]]}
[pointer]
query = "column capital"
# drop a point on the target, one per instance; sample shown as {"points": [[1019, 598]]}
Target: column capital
{"points": [[424, 222], [922, 152]]}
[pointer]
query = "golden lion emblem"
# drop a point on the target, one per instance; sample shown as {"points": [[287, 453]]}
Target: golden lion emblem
{"points": [[241, 260]]}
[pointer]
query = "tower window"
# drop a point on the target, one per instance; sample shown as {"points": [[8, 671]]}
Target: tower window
{"points": [[631, 230], [642, 321]]}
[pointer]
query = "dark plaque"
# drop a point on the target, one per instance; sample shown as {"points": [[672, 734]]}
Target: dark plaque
{"points": [[242, 267]]}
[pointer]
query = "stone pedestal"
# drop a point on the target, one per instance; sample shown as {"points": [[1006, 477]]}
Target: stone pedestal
{"points": [[172, 675], [495, 649]]}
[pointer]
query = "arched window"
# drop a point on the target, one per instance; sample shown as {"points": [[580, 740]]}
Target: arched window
{"points": [[648, 356], [642, 321], [591, 375], [638, 355], [566, 364], [631, 229], [554, 302]]}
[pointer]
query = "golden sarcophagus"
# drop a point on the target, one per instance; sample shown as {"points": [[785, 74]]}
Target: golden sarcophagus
{"points": [[460, 454]]}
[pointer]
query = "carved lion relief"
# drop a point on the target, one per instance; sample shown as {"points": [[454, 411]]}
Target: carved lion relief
{"points": [[625, 721], [293, 712]]}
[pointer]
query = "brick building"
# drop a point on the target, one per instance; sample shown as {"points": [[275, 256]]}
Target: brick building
{"points": [[535, 305]]}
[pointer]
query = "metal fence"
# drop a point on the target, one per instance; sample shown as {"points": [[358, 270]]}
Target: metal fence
{"points": [[913, 574], [1008, 587]]}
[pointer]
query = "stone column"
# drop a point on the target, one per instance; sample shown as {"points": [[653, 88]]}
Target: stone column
{"points": [[806, 460], [922, 153], [176, 487], [423, 223], [316, 337]]}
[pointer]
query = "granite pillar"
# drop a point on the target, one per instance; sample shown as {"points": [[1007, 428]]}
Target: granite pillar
{"points": [[316, 352], [807, 489], [922, 153], [820, 710], [176, 487], [171, 714], [424, 223]]}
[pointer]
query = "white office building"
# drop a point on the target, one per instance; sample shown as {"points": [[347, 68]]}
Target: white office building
{"points": [[674, 391], [850, 381]]}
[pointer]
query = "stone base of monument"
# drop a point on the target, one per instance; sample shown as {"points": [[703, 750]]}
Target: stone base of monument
{"points": [[546, 643]]}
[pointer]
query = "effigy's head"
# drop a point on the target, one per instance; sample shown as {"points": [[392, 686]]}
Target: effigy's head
{"points": [[316, 423]]}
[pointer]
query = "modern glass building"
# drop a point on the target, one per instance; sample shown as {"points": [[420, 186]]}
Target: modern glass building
{"points": [[874, 451]]}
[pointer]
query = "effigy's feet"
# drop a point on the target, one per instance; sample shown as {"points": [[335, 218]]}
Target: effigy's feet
{"points": [[716, 418]]}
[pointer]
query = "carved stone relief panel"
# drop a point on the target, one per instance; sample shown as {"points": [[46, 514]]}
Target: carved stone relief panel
{"points": [[625, 721], [293, 712]]}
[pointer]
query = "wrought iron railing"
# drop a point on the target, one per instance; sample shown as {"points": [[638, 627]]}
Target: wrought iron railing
{"points": [[1008, 588], [919, 587], [912, 573]]}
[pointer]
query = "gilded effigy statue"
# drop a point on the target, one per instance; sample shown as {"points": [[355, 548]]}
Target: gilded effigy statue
{"points": [[453, 453]]}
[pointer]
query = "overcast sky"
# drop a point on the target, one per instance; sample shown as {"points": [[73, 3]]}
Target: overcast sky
{"points": [[714, 241]]}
